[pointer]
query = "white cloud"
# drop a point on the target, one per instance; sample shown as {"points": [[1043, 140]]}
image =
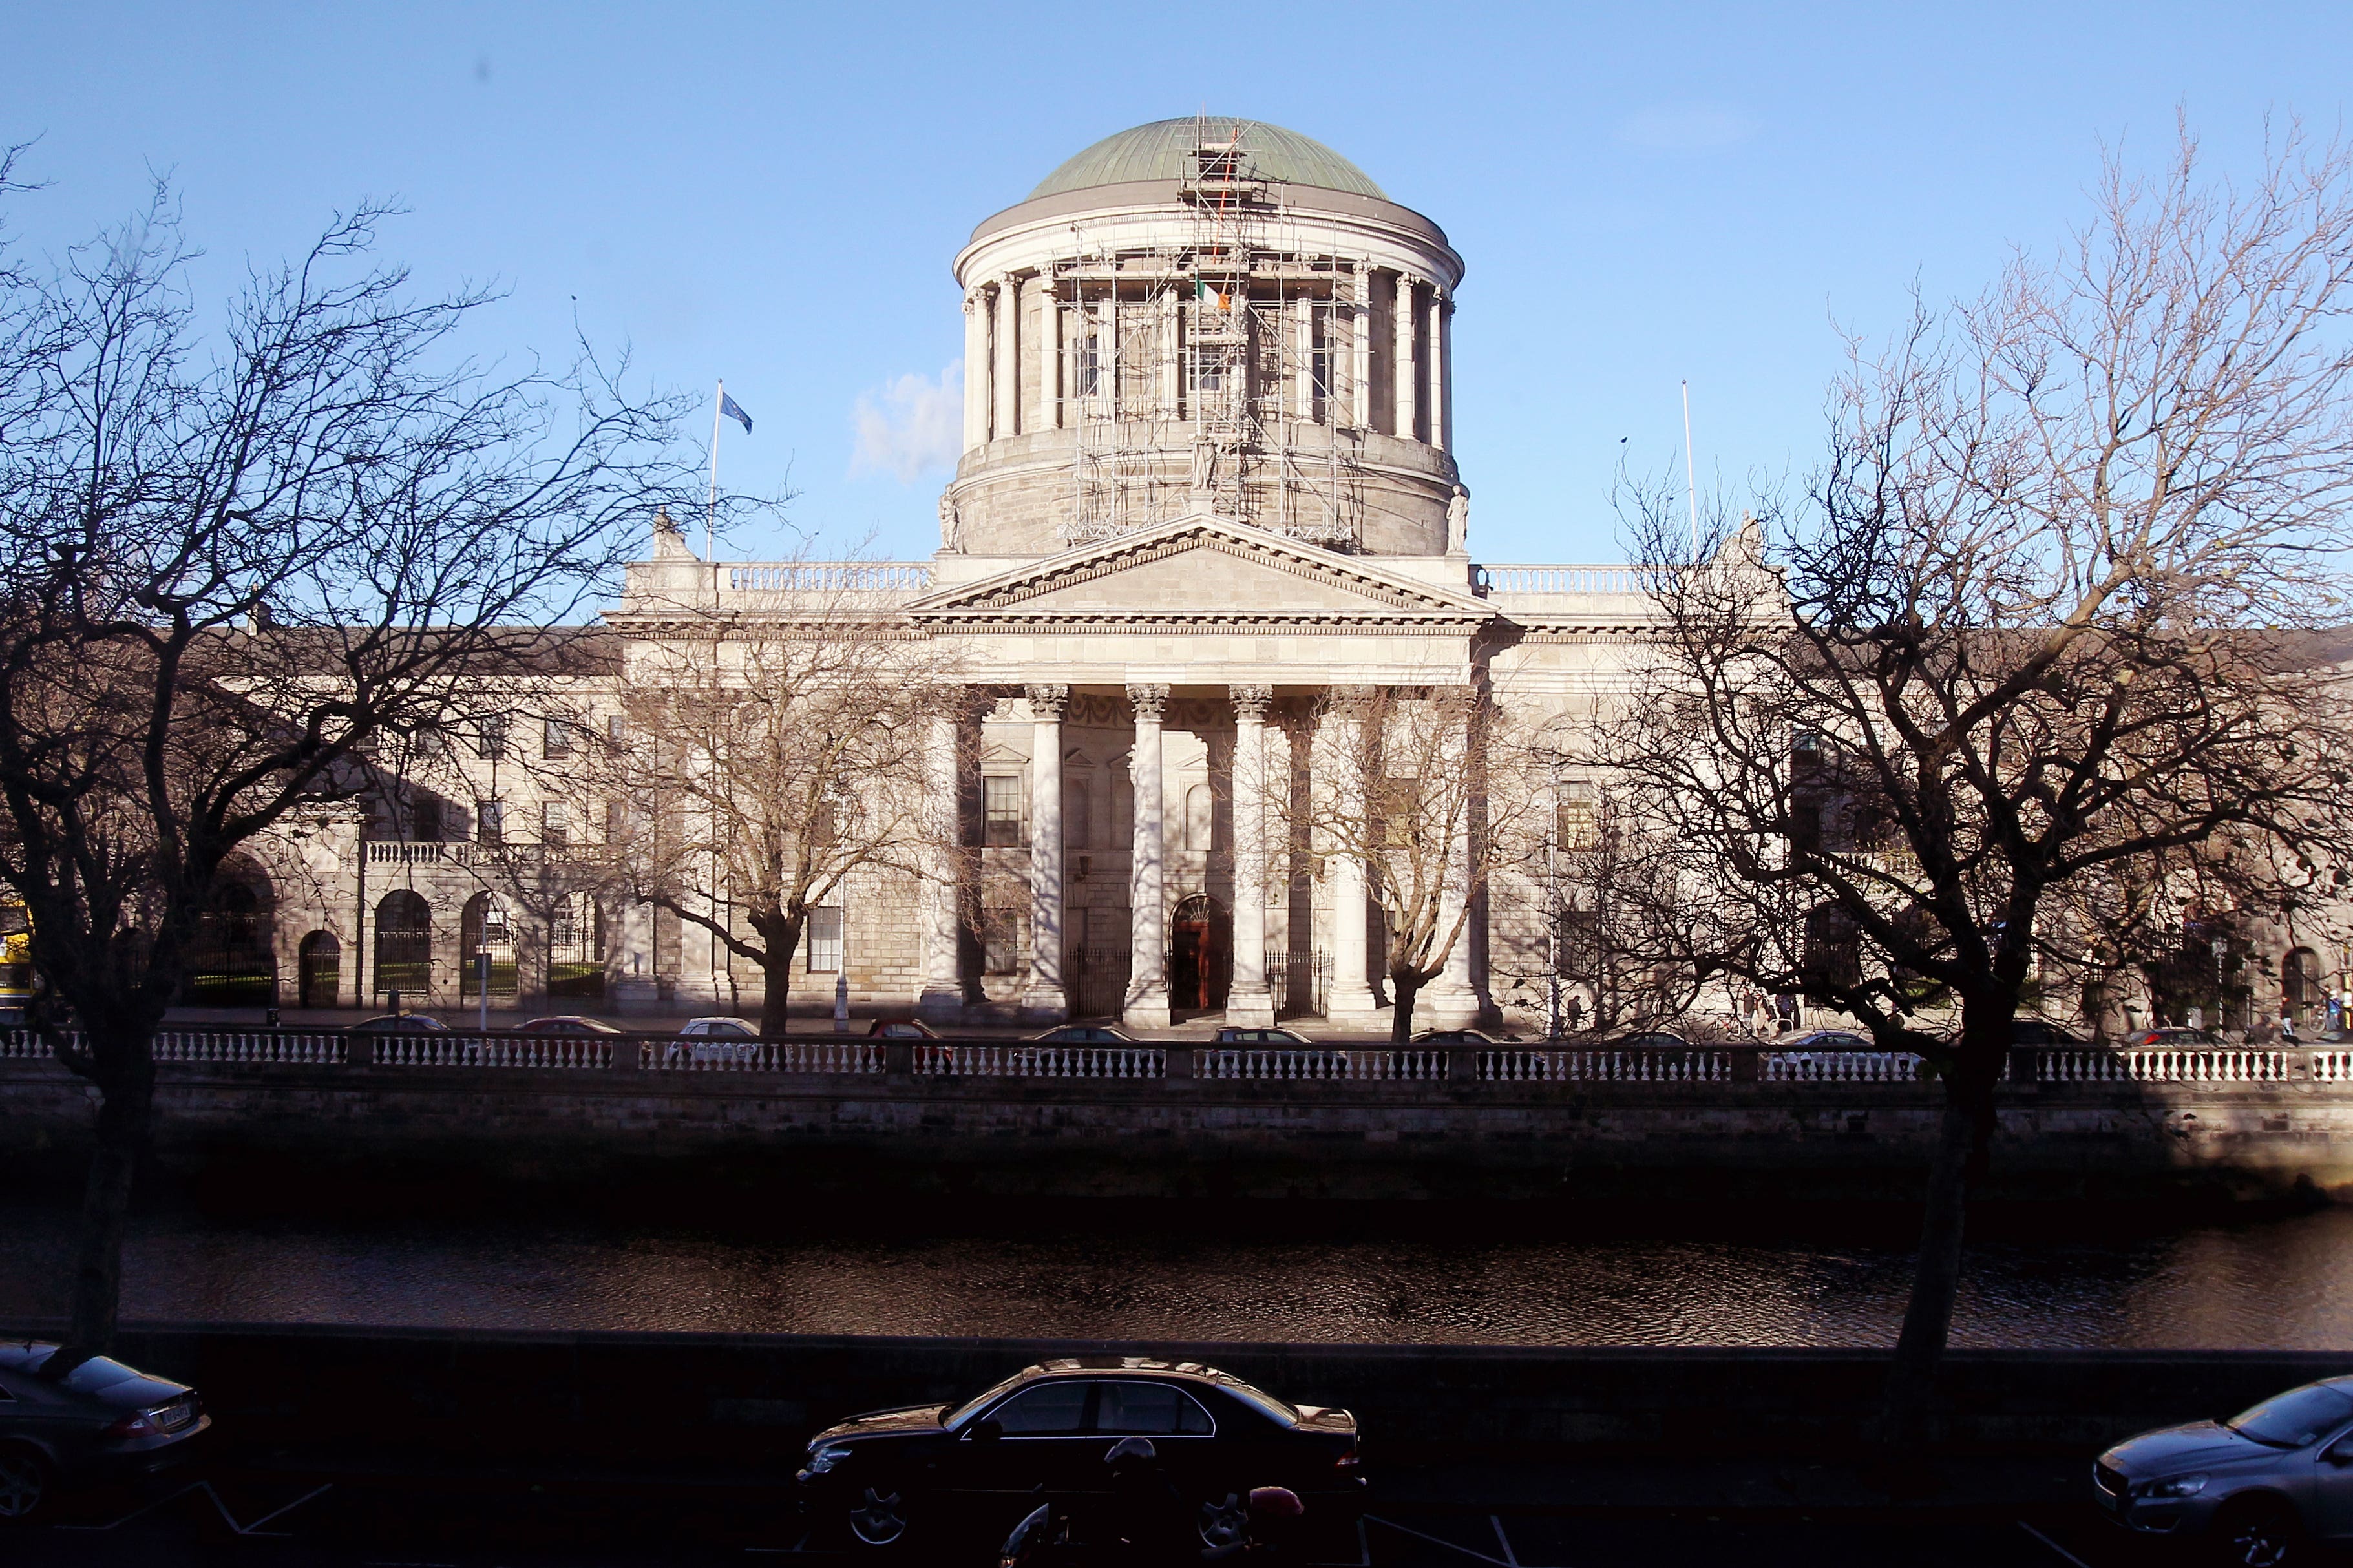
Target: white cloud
{"points": [[1685, 128], [914, 423]]}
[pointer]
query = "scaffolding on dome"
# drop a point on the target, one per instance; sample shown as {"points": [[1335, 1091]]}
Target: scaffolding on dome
{"points": [[1236, 344]]}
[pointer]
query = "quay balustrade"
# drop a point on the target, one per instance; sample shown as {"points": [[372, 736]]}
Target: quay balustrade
{"points": [[1531, 1064]]}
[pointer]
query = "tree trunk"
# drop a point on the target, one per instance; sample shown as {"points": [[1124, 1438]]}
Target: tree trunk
{"points": [[781, 940], [1403, 988], [1963, 1134], [126, 1115]]}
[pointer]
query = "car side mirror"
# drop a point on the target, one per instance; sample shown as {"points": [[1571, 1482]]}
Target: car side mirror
{"points": [[2340, 1452], [987, 1431]]}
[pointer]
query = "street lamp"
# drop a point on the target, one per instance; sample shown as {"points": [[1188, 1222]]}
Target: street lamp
{"points": [[2221, 949], [842, 961]]}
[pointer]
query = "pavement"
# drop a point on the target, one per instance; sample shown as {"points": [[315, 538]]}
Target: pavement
{"points": [[290, 1511]]}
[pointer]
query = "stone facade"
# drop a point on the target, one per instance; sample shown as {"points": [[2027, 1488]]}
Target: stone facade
{"points": [[1208, 480]]}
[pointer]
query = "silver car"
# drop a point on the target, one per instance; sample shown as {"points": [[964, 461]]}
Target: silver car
{"points": [[92, 1420], [2257, 1488]]}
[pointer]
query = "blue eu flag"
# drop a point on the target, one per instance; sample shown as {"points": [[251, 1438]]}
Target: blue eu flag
{"points": [[734, 410]]}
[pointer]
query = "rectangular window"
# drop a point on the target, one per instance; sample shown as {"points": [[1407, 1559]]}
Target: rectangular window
{"points": [[1000, 940], [616, 729], [1000, 811], [1086, 366], [824, 940], [1575, 826], [490, 822], [559, 738], [425, 818], [491, 737], [555, 823]]}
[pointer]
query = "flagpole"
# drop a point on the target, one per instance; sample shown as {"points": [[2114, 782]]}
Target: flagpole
{"points": [[1691, 484], [711, 509]]}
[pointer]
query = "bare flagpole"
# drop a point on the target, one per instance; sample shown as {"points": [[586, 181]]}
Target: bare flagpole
{"points": [[710, 509], [1690, 482]]}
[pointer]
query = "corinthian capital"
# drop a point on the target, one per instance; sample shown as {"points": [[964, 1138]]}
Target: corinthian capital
{"points": [[1046, 702], [1150, 701], [1250, 702]]}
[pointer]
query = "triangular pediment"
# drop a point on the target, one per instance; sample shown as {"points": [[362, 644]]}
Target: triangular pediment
{"points": [[1199, 566]]}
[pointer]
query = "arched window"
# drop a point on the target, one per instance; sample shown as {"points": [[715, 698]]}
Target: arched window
{"points": [[230, 963], [1199, 820], [1078, 814], [404, 944], [320, 970], [2300, 991], [483, 933]]}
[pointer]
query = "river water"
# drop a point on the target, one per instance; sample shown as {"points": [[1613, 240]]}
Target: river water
{"points": [[2283, 1283]]}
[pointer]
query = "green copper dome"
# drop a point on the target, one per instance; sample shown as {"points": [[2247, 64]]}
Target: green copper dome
{"points": [[1163, 150]]}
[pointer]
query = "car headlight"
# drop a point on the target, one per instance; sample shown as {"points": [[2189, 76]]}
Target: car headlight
{"points": [[824, 1459], [2177, 1486]]}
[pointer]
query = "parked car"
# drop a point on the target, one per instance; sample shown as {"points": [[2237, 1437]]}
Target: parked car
{"points": [[570, 1025], [1460, 1038], [1084, 1035], [1650, 1040], [1819, 1040], [2172, 1036], [1040, 1435], [901, 1029], [2254, 1488], [399, 1023], [93, 1422], [716, 1039], [1234, 1037], [718, 1029]]}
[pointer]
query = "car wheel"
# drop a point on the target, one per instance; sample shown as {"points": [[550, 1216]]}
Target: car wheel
{"points": [[2260, 1534], [27, 1487], [879, 1518], [1223, 1519]]}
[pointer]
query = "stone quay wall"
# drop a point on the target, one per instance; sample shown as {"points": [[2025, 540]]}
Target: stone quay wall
{"points": [[998, 1119]]}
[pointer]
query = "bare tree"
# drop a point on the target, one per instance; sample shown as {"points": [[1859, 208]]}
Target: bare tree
{"points": [[1431, 789], [233, 561], [2050, 619], [762, 766]]}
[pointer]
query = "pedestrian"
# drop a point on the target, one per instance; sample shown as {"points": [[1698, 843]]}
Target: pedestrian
{"points": [[2287, 1024]]}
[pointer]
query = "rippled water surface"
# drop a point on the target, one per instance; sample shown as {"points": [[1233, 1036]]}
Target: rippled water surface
{"points": [[2283, 1283]]}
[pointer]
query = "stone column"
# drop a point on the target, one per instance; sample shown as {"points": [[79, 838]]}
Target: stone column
{"points": [[1351, 996], [943, 995], [1360, 352], [975, 368], [1446, 358], [1007, 366], [1249, 1004], [1147, 984], [1451, 1001], [1045, 1001], [634, 989], [1434, 356], [1050, 356], [1403, 317], [1302, 341]]}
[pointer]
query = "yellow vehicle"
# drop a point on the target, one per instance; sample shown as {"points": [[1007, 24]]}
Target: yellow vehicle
{"points": [[16, 961]]}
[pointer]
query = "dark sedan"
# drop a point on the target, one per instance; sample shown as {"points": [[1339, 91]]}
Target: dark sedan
{"points": [[91, 1422], [894, 1475]]}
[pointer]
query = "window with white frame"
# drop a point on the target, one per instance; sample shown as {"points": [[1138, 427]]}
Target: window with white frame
{"points": [[824, 940], [555, 823], [490, 822], [1000, 810]]}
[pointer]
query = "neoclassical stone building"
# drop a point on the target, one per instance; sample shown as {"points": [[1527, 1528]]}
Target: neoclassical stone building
{"points": [[1208, 480]]}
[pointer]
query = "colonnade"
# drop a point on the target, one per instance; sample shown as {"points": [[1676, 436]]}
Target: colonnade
{"points": [[1013, 326], [1044, 994]]}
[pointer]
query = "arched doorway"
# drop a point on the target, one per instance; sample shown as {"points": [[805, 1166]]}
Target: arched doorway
{"points": [[319, 970], [230, 963], [483, 931], [2300, 989], [1200, 954], [404, 944]]}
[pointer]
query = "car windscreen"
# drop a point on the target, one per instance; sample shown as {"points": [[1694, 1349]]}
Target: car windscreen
{"points": [[1267, 1404], [2292, 1419], [964, 1412]]}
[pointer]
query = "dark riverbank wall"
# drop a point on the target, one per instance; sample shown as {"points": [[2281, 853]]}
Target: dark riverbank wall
{"points": [[338, 1127], [755, 1399]]}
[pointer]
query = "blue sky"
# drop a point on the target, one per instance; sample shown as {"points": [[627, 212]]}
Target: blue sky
{"points": [[1642, 192]]}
